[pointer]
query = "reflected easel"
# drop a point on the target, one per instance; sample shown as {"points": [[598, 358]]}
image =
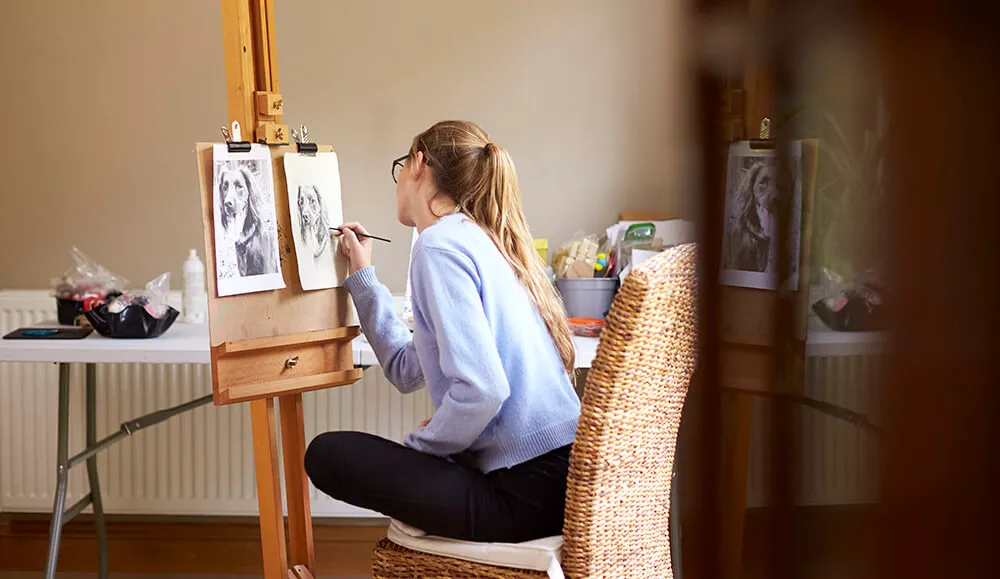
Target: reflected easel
{"points": [[747, 356]]}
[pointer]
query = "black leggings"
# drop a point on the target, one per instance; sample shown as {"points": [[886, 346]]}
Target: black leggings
{"points": [[438, 496]]}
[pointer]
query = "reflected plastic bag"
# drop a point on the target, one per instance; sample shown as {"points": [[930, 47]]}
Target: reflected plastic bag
{"points": [[851, 306], [134, 314]]}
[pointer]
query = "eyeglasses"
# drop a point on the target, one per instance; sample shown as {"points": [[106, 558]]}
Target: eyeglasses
{"points": [[397, 166]]}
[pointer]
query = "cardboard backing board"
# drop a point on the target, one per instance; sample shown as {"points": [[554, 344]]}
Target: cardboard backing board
{"points": [[274, 342], [748, 314]]}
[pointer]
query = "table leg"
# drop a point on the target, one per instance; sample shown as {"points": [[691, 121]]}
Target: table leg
{"points": [[62, 473], [95, 486], [272, 521], [293, 442], [60, 514]]}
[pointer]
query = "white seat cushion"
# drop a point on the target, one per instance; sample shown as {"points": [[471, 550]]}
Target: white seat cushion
{"points": [[539, 555]]}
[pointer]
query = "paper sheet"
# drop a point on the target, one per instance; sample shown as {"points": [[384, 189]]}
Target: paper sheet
{"points": [[246, 233], [314, 203]]}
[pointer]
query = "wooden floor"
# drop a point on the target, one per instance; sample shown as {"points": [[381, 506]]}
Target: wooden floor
{"points": [[825, 543], [74, 575], [830, 543], [174, 545]]}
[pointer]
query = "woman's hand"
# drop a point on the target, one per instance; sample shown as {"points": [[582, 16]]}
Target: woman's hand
{"points": [[358, 251], [425, 422]]}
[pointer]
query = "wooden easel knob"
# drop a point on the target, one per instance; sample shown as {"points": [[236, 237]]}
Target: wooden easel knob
{"points": [[269, 104], [272, 134]]}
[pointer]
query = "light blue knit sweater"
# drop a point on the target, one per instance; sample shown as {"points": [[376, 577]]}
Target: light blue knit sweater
{"points": [[492, 370]]}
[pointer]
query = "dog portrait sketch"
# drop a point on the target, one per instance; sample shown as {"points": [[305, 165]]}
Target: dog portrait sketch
{"points": [[750, 243], [246, 238], [314, 221], [314, 201]]}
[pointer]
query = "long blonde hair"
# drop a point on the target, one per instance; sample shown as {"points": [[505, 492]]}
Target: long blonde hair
{"points": [[479, 176]]}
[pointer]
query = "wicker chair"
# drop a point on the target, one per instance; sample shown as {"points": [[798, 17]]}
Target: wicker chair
{"points": [[617, 521]]}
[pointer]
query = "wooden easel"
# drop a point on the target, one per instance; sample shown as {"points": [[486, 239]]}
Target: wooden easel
{"points": [[278, 343]]}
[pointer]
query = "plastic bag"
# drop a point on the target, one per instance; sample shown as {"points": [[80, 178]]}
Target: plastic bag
{"points": [[143, 314], [638, 235], [576, 257], [153, 300], [86, 279], [851, 306]]}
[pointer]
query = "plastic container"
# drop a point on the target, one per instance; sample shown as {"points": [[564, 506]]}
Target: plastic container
{"points": [[195, 296], [587, 297], [133, 322], [586, 327], [69, 312]]}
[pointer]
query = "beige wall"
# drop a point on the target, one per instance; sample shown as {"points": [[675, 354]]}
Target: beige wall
{"points": [[108, 97]]}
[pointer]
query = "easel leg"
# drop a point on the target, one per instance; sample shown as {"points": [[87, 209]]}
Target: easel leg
{"points": [[62, 473], [272, 521], [736, 445], [293, 442], [95, 485]]}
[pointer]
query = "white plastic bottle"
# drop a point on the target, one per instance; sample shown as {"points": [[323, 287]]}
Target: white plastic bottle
{"points": [[195, 296]]}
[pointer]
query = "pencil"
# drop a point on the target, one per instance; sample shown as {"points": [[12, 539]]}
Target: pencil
{"points": [[364, 235]]}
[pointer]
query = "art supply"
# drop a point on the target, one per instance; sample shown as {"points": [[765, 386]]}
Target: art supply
{"points": [[576, 258], [601, 265], [49, 333], [612, 264], [542, 247], [337, 229], [580, 269], [195, 294]]}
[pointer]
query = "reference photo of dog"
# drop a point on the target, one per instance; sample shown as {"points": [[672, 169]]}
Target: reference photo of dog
{"points": [[247, 219], [314, 222]]}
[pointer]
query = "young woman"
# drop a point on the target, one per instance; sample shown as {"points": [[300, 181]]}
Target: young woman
{"points": [[490, 343]]}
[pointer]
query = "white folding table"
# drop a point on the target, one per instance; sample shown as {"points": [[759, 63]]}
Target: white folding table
{"points": [[181, 344]]}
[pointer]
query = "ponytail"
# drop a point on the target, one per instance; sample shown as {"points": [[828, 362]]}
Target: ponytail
{"points": [[517, 245], [480, 177]]}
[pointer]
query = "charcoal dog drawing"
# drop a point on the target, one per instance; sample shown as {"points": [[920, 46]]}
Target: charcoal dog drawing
{"points": [[314, 221], [750, 250], [314, 198]]}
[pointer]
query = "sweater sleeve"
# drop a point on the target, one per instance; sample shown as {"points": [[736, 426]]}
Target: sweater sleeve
{"points": [[388, 336], [447, 299]]}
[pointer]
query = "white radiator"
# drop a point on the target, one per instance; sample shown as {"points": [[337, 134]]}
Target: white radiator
{"points": [[837, 461], [201, 462]]}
